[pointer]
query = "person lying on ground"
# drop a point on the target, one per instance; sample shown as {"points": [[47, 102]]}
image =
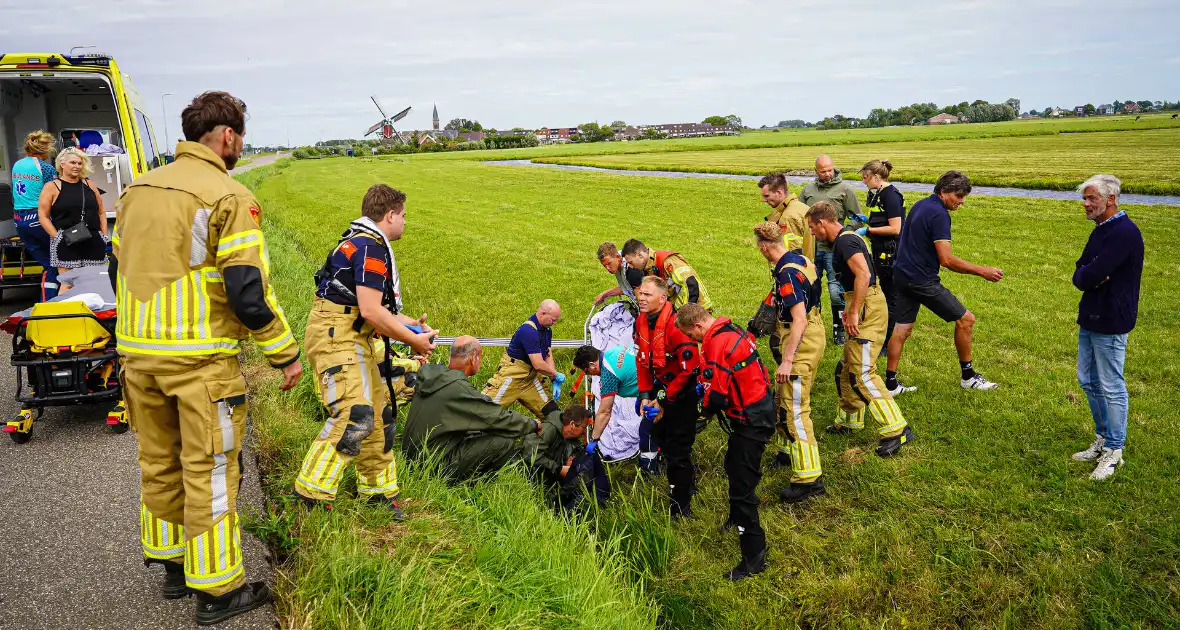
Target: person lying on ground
{"points": [[557, 457]]}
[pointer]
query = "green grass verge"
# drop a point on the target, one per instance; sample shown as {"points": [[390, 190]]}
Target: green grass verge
{"points": [[983, 522], [1143, 160]]}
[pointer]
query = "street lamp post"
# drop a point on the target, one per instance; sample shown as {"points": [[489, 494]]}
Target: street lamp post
{"points": [[164, 107]]}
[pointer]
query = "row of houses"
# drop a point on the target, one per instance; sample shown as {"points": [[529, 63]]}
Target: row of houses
{"points": [[561, 135]]}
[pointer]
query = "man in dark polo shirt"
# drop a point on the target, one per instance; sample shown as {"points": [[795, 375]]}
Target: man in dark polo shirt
{"points": [[528, 358], [924, 247]]}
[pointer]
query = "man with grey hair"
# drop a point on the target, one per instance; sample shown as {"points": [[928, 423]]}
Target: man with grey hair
{"points": [[1108, 274], [527, 359], [829, 185], [471, 434]]}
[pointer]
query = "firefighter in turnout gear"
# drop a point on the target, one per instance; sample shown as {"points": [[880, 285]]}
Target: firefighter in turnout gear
{"points": [[734, 381], [667, 365], [795, 298], [684, 286], [529, 357], [192, 281], [358, 296], [790, 215], [866, 319]]}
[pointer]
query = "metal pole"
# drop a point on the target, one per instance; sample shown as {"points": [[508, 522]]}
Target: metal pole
{"points": [[164, 107]]}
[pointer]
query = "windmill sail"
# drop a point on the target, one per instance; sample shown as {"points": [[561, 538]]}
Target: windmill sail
{"points": [[402, 114]]}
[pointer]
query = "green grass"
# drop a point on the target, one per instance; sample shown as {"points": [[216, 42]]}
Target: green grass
{"points": [[812, 137], [983, 522], [1145, 161]]}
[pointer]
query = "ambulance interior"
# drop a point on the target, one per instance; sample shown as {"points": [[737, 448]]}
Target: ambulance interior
{"points": [[79, 110]]}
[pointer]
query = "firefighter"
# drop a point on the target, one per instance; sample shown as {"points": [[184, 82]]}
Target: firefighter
{"points": [[866, 319], [789, 213], [192, 280], [358, 295], [734, 381], [667, 363], [684, 286], [795, 299], [529, 357]]}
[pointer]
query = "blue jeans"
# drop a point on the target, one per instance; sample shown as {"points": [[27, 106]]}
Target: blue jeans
{"points": [[36, 242], [823, 263], [1100, 373]]}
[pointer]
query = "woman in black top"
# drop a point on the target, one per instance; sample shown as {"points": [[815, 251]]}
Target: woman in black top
{"points": [[68, 201], [886, 214]]}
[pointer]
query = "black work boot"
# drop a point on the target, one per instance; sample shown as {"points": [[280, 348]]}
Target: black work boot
{"points": [[213, 609], [837, 327], [838, 429], [797, 492], [174, 586], [311, 503], [753, 558], [393, 504], [890, 446], [782, 459]]}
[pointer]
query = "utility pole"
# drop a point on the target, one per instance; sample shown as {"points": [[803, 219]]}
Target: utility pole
{"points": [[164, 107]]}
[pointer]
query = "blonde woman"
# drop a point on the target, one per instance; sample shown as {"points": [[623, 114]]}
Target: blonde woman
{"points": [[71, 212], [29, 176]]}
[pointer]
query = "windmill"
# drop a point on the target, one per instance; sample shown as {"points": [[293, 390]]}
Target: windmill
{"points": [[385, 127]]}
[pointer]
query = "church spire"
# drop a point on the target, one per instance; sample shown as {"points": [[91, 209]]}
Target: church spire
{"points": [[436, 117]]}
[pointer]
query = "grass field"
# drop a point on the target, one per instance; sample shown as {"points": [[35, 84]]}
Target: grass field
{"points": [[812, 137], [983, 522], [1144, 160]]}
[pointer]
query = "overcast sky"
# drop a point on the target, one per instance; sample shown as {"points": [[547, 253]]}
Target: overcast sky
{"points": [[307, 68]]}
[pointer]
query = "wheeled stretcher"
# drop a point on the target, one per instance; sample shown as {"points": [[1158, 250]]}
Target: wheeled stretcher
{"points": [[64, 353]]}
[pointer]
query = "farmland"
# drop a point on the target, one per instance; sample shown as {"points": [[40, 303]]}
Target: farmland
{"points": [[983, 522]]}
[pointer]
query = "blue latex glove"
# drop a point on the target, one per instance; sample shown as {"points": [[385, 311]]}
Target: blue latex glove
{"points": [[417, 330], [700, 390], [559, 378], [860, 217], [650, 413], [591, 446], [862, 231], [556, 391], [637, 411]]}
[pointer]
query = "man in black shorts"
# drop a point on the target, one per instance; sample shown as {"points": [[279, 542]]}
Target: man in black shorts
{"points": [[925, 246]]}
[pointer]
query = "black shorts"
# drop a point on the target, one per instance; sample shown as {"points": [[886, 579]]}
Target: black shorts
{"points": [[932, 295]]}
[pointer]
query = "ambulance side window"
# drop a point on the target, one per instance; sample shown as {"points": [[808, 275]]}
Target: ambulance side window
{"points": [[146, 148]]}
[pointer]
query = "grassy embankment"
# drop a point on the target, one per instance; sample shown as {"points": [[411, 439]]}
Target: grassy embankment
{"points": [[983, 522], [812, 137], [1144, 160]]}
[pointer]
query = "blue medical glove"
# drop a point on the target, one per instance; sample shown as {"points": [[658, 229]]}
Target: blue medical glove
{"points": [[417, 330], [556, 390], [591, 446], [860, 217], [862, 231], [559, 378], [650, 413], [700, 390]]}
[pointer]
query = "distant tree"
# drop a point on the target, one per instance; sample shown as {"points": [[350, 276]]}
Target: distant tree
{"points": [[792, 124], [463, 125], [1118, 106], [734, 120], [593, 132], [1014, 103], [618, 124], [988, 112], [651, 133], [1089, 109], [716, 121], [1145, 104], [980, 101]]}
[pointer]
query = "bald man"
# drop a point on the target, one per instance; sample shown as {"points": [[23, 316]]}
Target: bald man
{"points": [[518, 377], [829, 186], [448, 416]]}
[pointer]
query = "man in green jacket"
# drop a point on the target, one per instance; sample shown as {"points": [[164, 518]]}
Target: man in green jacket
{"points": [[558, 458], [828, 185], [472, 434]]}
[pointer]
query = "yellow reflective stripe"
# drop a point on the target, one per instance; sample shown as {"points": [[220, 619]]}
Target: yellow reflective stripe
{"points": [[180, 347], [161, 540], [214, 558], [276, 345], [238, 241], [385, 483]]}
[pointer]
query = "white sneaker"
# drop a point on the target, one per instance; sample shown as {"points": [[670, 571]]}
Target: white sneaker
{"points": [[901, 389], [1111, 459], [978, 382], [1092, 453]]}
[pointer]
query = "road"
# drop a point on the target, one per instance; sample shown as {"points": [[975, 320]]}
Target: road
{"points": [[256, 162], [69, 523]]}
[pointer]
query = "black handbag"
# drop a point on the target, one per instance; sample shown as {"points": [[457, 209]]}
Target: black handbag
{"points": [[79, 233]]}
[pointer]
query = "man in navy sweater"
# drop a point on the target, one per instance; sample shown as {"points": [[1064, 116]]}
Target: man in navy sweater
{"points": [[1108, 275]]}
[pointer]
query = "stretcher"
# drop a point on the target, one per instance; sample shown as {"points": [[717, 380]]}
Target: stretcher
{"points": [[64, 353], [18, 270]]}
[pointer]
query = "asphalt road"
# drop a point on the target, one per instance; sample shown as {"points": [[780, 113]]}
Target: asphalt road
{"points": [[69, 523]]}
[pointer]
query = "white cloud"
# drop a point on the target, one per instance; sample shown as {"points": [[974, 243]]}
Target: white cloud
{"points": [[311, 66]]}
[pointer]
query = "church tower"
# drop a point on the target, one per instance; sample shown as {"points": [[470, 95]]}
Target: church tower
{"points": [[436, 117]]}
